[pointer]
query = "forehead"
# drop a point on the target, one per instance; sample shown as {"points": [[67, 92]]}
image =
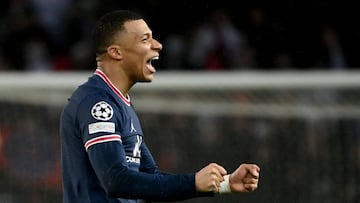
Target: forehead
{"points": [[137, 27]]}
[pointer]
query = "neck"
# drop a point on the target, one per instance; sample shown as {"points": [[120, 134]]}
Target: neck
{"points": [[117, 78]]}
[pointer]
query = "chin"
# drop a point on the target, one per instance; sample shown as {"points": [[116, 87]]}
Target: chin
{"points": [[148, 78]]}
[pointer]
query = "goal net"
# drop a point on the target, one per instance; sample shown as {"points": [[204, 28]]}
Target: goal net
{"points": [[301, 128]]}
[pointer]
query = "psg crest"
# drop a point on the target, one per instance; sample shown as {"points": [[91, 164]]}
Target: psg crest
{"points": [[102, 111]]}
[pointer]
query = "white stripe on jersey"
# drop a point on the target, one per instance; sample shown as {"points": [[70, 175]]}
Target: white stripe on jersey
{"points": [[102, 139]]}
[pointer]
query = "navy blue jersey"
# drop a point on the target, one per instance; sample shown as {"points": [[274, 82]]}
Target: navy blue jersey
{"points": [[104, 155]]}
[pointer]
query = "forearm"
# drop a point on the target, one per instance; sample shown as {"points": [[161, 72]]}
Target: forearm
{"points": [[153, 187], [122, 181]]}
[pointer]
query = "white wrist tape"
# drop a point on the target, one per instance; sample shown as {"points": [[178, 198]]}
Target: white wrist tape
{"points": [[225, 185]]}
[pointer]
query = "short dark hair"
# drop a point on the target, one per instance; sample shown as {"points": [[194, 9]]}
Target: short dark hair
{"points": [[108, 25]]}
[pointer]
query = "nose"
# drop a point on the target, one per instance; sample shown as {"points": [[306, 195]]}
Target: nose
{"points": [[156, 45]]}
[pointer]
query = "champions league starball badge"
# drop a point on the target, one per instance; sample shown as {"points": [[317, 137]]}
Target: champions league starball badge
{"points": [[102, 111]]}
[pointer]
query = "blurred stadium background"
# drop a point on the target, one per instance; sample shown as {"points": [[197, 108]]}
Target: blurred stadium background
{"points": [[291, 104], [303, 129]]}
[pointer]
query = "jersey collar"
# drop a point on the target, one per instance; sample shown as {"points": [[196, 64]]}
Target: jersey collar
{"points": [[102, 75]]}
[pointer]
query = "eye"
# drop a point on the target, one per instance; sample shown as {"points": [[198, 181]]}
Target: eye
{"points": [[146, 38]]}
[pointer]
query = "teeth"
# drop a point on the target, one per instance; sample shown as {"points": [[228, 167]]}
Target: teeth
{"points": [[154, 58], [149, 65]]}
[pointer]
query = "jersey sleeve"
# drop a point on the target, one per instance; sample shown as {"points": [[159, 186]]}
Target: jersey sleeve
{"points": [[147, 163], [100, 123], [119, 181]]}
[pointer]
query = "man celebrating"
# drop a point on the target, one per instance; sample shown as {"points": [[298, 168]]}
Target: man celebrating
{"points": [[104, 154]]}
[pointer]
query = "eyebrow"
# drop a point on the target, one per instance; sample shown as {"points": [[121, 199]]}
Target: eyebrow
{"points": [[147, 34]]}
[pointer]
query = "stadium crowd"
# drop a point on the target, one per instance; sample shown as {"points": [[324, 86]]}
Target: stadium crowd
{"points": [[56, 35]]}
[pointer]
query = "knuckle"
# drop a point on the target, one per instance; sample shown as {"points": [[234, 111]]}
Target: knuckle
{"points": [[213, 171]]}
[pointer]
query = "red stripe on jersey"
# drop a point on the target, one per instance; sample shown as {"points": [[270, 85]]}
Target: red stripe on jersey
{"points": [[102, 139], [112, 86]]}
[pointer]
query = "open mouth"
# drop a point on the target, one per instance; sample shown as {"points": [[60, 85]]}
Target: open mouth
{"points": [[149, 65]]}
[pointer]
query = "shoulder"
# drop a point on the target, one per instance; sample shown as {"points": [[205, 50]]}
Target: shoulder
{"points": [[87, 95], [93, 89]]}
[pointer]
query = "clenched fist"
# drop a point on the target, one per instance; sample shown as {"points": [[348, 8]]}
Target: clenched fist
{"points": [[245, 178], [208, 179]]}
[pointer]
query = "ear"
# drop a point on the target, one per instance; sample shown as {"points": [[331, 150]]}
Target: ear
{"points": [[114, 52]]}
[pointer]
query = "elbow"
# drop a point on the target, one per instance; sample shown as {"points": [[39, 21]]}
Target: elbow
{"points": [[112, 181], [119, 191], [114, 188], [111, 189], [116, 184]]}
